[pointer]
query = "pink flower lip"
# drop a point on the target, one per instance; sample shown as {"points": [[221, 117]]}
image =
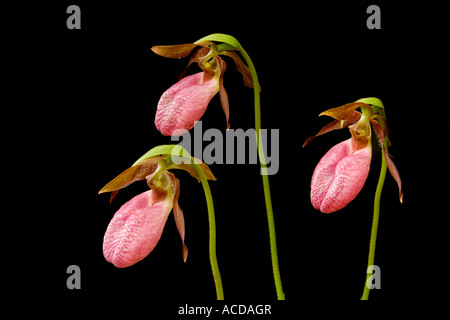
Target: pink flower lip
{"points": [[339, 176], [135, 229], [185, 103]]}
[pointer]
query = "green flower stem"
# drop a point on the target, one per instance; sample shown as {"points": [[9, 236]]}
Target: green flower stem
{"points": [[265, 178], [376, 216], [212, 232]]}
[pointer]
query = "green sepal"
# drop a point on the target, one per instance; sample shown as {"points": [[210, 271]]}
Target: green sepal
{"points": [[224, 47], [376, 105], [178, 158], [220, 37], [156, 151], [372, 101]]}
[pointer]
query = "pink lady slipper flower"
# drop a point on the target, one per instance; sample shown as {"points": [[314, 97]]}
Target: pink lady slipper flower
{"points": [[341, 173], [183, 104], [137, 226]]}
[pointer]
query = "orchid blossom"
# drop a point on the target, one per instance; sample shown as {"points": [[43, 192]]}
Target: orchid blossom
{"points": [[137, 226], [341, 173], [183, 104]]}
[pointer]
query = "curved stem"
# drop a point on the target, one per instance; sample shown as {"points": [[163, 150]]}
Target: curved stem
{"points": [[212, 232], [265, 178], [373, 235]]}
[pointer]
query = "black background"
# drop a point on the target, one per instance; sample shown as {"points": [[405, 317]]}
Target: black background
{"points": [[91, 97]]}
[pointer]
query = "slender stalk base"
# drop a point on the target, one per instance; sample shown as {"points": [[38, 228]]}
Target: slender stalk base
{"points": [[212, 233], [231, 43], [373, 235], [265, 178]]}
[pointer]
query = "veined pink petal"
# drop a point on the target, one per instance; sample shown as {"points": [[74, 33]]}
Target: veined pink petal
{"points": [[135, 229], [184, 103], [340, 176]]}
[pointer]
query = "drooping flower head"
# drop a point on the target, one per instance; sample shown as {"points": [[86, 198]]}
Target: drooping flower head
{"points": [[137, 226], [341, 173], [185, 102]]}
